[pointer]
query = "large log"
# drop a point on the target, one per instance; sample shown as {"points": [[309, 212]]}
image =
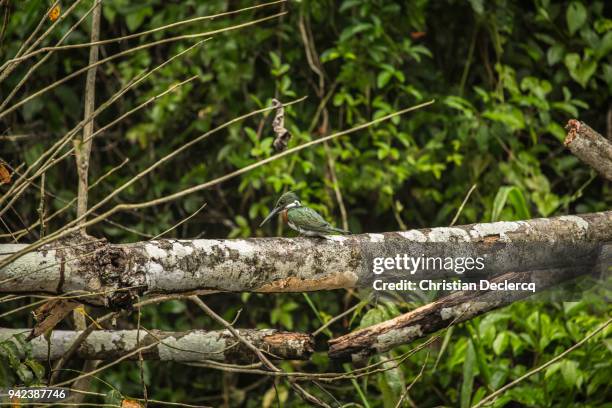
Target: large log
{"points": [[108, 274], [194, 345]]}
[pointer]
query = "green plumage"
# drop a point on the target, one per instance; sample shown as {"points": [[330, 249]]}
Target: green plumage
{"points": [[309, 222]]}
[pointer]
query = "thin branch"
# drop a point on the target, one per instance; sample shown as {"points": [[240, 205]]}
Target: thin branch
{"points": [[460, 209], [132, 50], [8, 68], [31, 71], [66, 138], [336, 318], [206, 185], [407, 390], [142, 33], [178, 224]]}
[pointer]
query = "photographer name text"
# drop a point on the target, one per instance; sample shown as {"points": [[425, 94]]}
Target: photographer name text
{"points": [[455, 285]]}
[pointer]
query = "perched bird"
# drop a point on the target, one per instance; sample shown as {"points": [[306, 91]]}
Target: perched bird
{"points": [[304, 220]]}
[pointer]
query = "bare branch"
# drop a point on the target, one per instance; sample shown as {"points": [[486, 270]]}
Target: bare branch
{"points": [[193, 345], [8, 67], [142, 33], [132, 50]]}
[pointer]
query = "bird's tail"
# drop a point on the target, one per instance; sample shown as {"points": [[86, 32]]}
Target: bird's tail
{"points": [[340, 230]]}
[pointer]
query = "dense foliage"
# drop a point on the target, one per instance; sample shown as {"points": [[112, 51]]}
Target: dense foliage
{"points": [[506, 76]]}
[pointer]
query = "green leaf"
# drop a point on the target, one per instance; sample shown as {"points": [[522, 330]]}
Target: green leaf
{"points": [[393, 377], [555, 54], [576, 16], [552, 369], [389, 399], [24, 374], [477, 6], [605, 46], [173, 306], [354, 30], [347, 4], [481, 357], [468, 375], [373, 316], [521, 209], [570, 373], [135, 18], [383, 78], [11, 352], [516, 198], [580, 70], [511, 116], [36, 367], [501, 343]]}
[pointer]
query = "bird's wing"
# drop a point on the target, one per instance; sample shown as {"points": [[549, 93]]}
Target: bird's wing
{"points": [[307, 217]]}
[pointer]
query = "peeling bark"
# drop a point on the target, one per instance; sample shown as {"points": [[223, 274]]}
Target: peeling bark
{"points": [[454, 308], [195, 345], [117, 273], [590, 147]]}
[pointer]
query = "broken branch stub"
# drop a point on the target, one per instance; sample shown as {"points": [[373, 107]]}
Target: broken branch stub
{"points": [[590, 147]]}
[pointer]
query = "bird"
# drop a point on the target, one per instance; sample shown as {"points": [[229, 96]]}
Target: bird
{"points": [[300, 218]]}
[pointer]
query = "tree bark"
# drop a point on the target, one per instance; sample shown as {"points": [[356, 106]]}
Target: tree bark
{"points": [[194, 345], [590, 147], [112, 275]]}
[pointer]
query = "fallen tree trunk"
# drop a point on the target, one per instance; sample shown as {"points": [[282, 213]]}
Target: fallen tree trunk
{"points": [[590, 147], [194, 345], [112, 275], [454, 308]]}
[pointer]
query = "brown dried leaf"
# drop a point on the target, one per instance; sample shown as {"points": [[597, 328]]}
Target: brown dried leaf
{"points": [[5, 174], [127, 403], [55, 13], [50, 314]]}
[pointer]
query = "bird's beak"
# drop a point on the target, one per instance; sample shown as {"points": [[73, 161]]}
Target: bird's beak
{"points": [[272, 214]]}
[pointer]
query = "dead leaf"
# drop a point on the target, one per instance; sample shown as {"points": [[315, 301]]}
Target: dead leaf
{"points": [[126, 403], [55, 13], [5, 174], [50, 314], [417, 34], [278, 124]]}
